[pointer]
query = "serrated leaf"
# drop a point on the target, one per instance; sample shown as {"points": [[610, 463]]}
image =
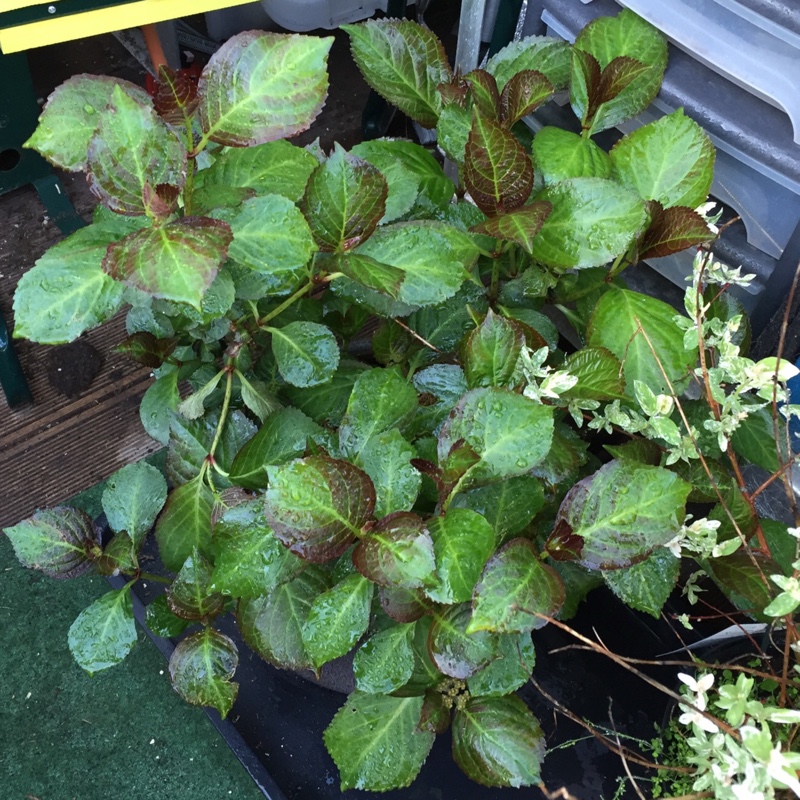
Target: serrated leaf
{"points": [[463, 541], [510, 671], [754, 439], [158, 406], [190, 595], [307, 353], [381, 399], [497, 171], [71, 115], [647, 585], [742, 577], [523, 94], [514, 587], [545, 54], [452, 131], [272, 624], [385, 661], [618, 515], [271, 238], [617, 324], [455, 652], [201, 668], [133, 498], [318, 505], [282, 437], [185, 523], [277, 167], [599, 374], [258, 398], [58, 541], [369, 272], [162, 622], [508, 506], [104, 632], [344, 201], [67, 292], [484, 92], [375, 742], [560, 154], [132, 148], [509, 432], [177, 261], [386, 458], [337, 619], [591, 223], [672, 230], [670, 160], [146, 349], [498, 742], [492, 351], [519, 226], [175, 98], [259, 87], [403, 62]]}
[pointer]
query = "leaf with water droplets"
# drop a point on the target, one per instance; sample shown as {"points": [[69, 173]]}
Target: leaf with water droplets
{"points": [[523, 94], [560, 154], [191, 595], [454, 651], [375, 742], [519, 226], [618, 515], [386, 458], [646, 586], [105, 632], [498, 742], [510, 671], [492, 351], [132, 499], [307, 353], [176, 97], [385, 661]]}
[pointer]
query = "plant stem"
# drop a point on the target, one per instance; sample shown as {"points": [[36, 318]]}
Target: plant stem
{"points": [[285, 304], [188, 189], [149, 576], [223, 415]]}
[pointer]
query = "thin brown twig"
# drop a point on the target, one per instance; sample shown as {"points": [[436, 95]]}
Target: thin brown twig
{"points": [[622, 756], [417, 336]]}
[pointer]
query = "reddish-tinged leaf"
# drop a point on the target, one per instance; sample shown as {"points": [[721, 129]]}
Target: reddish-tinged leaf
{"points": [[497, 172], [618, 76], [585, 84], [520, 226], [318, 505], [176, 97], [454, 651], [673, 230], [344, 201], [402, 605], [435, 716], [523, 94], [146, 349], [397, 552], [190, 595], [177, 262], [492, 351], [160, 201], [455, 91], [485, 95]]}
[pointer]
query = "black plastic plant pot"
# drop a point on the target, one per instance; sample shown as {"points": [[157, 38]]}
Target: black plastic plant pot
{"points": [[277, 722]]}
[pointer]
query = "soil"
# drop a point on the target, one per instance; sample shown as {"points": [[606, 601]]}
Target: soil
{"points": [[71, 368]]}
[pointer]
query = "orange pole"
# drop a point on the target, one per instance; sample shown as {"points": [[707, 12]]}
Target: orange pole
{"points": [[154, 47]]}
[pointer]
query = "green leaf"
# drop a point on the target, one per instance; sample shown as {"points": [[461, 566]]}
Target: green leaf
{"points": [[754, 439], [375, 742], [592, 222], [381, 399], [523, 94], [621, 321], [670, 160], [599, 374], [386, 458], [283, 436], [57, 541], [132, 499], [385, 662], [508, 506], [544, 54], [618, 515], [318, 505], [463, 541], [344, 201], [67, 292], [647, 585], [185, 523], [271, 168], [132, 149], [273, 624], [201, 668], [497, 171], [492, 351], [519, 226], [452, 131], [159, 404], [561, 154], [440, 387], [671, 231], [259, 87], [404, 63], [369, 272], [434, 257], [337, 619], [455, 652], [105, 632], [71, 116], [178, 261], [498, 742], [258, 398], [515, 585], [272, 238], [742, 577], [509, 432], [307, 353], [191, 595], [397, 552], [510, 671]]}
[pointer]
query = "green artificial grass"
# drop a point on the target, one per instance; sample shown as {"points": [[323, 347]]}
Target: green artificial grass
{"points": [[123, 733]]}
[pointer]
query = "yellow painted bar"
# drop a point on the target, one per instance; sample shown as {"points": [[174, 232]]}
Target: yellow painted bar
{"points": [[13, 5], [102, 20]]}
